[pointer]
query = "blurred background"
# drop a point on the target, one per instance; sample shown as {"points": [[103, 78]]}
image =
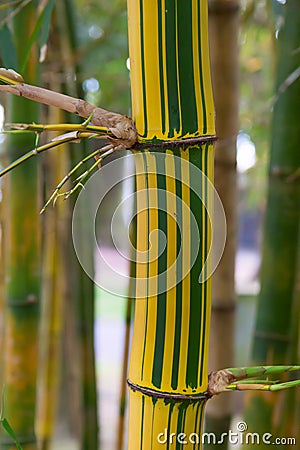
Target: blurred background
{"points": [[80, 48]]}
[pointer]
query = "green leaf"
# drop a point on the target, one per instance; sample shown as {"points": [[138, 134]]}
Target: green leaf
{"points": [[7, 49], [10, 431], [45, 29], [43, 21]]}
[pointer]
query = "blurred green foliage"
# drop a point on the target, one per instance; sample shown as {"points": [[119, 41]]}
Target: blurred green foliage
{"points": [[103, 53], [257, 64]]}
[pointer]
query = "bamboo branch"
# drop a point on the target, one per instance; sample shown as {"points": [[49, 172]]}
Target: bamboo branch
{"points": [[236, 379], [120, 125]]}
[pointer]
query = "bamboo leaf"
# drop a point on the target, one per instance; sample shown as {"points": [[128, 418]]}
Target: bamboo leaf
{"points": [[11, 433], [7, 48], [45, 28], [42, 26]]}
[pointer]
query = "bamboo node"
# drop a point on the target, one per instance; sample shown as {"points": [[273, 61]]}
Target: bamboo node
{"points": [[177, 397]]}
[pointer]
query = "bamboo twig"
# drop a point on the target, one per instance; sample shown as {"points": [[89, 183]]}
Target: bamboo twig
{"points": [[54, 196], [236, 379], [265, 386], [39, 128], [58, 140]]}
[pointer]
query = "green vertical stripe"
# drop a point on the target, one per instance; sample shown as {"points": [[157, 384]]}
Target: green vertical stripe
{"points": [[207, 150], [175, 368], [201, 72], [200, 406], [171, 56], [181, 423], [162, 285], [195, 157], [186, 71], [171, 409], [146, 294], [143, 68], [161, 45]]}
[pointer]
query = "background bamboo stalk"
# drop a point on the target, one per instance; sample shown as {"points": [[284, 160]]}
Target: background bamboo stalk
{"points": [[53, 301], [290, 401], [121, 426], [123, 390], [2, 270], [22, 262], [224, 26], [83, 294], [281, 228]]}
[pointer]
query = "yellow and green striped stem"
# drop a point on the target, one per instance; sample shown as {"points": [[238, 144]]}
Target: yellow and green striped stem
{"points": [[174, 115], [169, 68], [169, 350]]}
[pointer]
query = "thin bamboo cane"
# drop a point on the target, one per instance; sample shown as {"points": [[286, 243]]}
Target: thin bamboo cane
{"points": [[128, 324], [2, 253], [223, 26], [22, 264], [281, 228], [123, 390], [290, 401], [84, 294], [171, 102], [53, 304], [2, 271]]}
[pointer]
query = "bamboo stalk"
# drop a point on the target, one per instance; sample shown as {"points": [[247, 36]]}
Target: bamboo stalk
{"points": [[2, 271], [53, 305], [83, 294], [171, 102], [22, 255], [123, 390]]}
